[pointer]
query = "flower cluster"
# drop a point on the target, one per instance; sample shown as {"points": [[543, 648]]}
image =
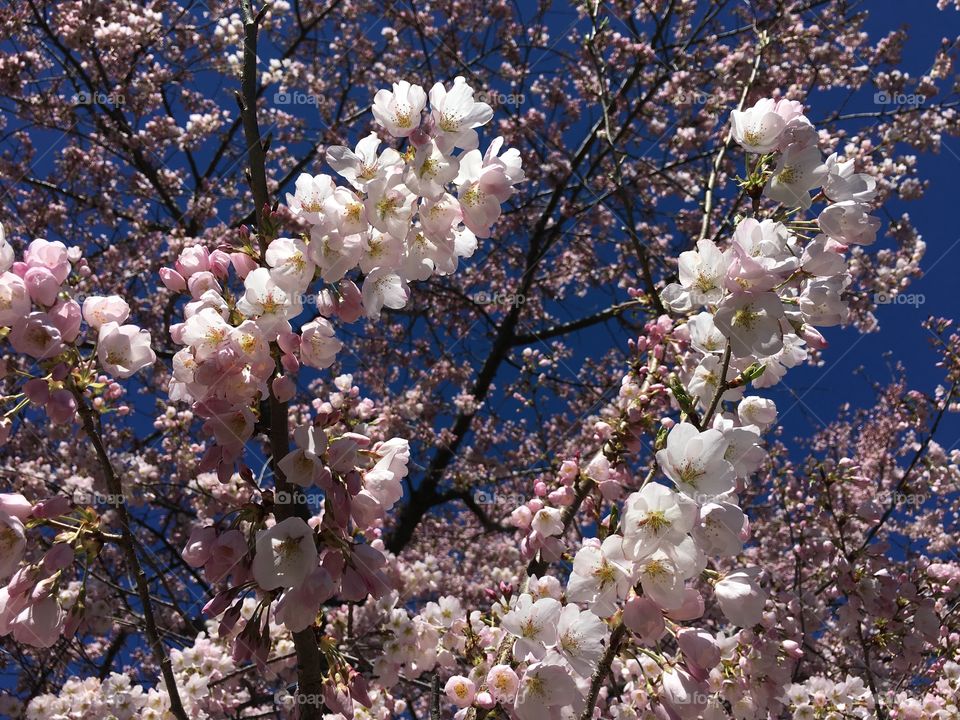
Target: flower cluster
{"points": [[35, 607], [778, 279], [65, 350], [399, 222], [395, 223], [44, 322], [359, 479]]}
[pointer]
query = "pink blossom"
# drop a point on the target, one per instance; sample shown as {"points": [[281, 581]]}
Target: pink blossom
{"points": [[124, 349], [460, 690], [285, 555]]}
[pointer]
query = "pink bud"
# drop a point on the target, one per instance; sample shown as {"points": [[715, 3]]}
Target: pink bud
{"points": [[642, 616], [360, 689], [485, 700], [192, 260], [603, 430], [243, 264], [199, 545], [66, 317], [290, 363], [812, 337], [37, 391], [557, 497], [219, 263], [41, 285], [229, 620], [684, 694], [692, 606], [569, 471], [23, 580], [351, 302], [793, 649], [59, 556], [172, 280], [72, 623], [284, 388], [521, 517], [327, 304], [52, 507], [218, 603], [62, 408], [289, 342], [699, 648], [202, 281]]}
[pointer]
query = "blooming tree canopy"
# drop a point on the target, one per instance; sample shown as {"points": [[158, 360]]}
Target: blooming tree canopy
{"points": [[424, 361]]}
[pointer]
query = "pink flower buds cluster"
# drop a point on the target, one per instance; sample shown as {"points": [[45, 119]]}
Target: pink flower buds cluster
{"points": [[30, 606], [45, 322]]}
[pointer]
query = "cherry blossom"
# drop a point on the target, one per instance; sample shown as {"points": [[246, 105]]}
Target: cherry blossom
{"points": [[399, 111], [696, 461], [124, 349], [758, 128], [534, 624], [462, 402], [543, 690], [286, 554]]}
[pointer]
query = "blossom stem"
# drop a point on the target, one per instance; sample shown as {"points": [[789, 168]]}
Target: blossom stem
{"points": [[721, 389], [718, 162], [616, 637], [128, 545]]}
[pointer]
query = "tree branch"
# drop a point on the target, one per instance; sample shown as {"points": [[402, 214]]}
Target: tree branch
{"points": [[128, 545], [310, 662]]}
